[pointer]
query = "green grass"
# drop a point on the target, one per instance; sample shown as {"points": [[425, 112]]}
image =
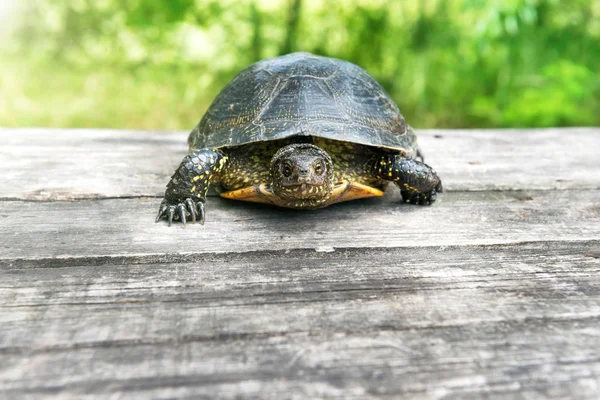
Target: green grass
{"points": [[159, 97], [55, 95], [447, 64]]}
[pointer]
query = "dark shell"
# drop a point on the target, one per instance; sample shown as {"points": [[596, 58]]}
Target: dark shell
{"points": [[303, 94]]}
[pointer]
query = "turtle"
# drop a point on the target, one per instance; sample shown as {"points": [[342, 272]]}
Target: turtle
{"points": [[299, 131]]}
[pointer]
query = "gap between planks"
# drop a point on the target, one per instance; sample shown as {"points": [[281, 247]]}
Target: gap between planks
{"points": [[592, 251]]}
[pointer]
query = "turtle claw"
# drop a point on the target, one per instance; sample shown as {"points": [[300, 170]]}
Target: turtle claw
{"points": [[171, 214], [181, 211], [422, 199], [201, 212], [161, 210], [189, 205]]}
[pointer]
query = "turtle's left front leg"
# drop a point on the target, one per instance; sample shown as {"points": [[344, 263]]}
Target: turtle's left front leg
{"points": [[186, 192], [418, 182]]}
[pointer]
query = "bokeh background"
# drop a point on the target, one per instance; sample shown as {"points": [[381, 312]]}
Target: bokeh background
{"points": [[157, 64]]}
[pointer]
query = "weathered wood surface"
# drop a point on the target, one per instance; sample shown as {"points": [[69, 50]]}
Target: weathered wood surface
{"points": [[453, 321], [125, 227], [492, 292], [44, 164]]}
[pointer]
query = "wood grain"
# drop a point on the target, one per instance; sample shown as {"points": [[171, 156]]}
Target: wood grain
{"points": [[120, 227], [51, 164], [493, 292], [446, 321]]}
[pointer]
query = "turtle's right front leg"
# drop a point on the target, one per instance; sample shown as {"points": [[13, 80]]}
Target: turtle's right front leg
{"points": [[186, 192]]}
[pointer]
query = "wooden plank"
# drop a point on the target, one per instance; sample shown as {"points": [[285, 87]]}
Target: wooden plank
{"points": [[518, 159], [458, 321], [58, 164], [493, 291], [125, 227], [52, 164], [460, 362]]}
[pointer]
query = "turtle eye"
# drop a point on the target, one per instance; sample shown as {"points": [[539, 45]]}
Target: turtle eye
{"points": [[286, 170], [318, 168]]}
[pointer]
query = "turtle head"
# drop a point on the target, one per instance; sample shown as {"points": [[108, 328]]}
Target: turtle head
{"points": [[302, 175]]}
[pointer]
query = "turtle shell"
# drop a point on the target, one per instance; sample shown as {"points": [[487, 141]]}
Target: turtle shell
{"points": [[301, 94]]}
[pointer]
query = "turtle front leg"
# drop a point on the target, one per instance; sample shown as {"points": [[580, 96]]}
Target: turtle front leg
{"points": [[417, 181], [186, 192]]}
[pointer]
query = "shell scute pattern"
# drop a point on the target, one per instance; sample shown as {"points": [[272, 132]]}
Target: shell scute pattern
{"points": [[303, 95]]}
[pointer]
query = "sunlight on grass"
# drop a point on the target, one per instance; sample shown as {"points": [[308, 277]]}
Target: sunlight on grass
{"points": [[158, 65], [144, 98]]}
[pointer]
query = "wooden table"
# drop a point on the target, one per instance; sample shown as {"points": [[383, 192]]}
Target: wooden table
{"points": [[492, 292]]}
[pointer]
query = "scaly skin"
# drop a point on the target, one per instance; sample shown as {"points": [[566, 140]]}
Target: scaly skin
{"points": [[417, 181], [249, 165], [186, 192]]}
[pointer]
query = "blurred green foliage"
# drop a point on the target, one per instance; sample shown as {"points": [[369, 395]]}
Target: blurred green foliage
{"points": [[153, 64]]}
